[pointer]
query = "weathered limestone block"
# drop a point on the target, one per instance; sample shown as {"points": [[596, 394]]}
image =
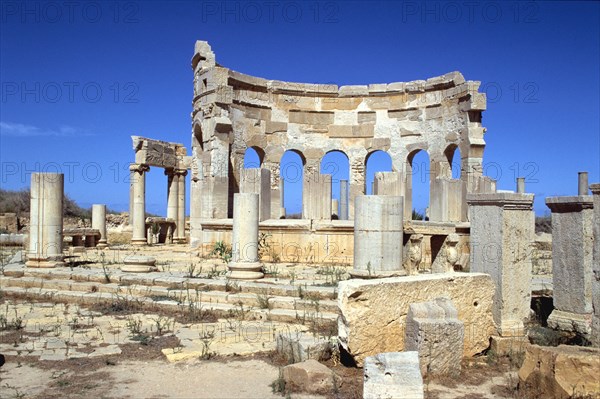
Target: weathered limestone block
{"points": [[393, 375], [561, 372], [300, 347], [595, 338], [434, 331], [46, 220], [316, 196], [572, 257], [502, 234], [373, 312], [308, 376], [446, 200], [378, 230]]}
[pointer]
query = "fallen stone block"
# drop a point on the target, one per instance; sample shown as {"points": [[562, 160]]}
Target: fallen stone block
{"points": [[373, 312], [299, 347], [393, 375], [561, 372], [308, 376], [435, 333]]}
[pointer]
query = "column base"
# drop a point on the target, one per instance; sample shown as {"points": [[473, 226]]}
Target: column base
{"points": [[512, 328], [506, 346], [102, 244], [139, 241], [179, 240], [245, 271], [568, 321]]}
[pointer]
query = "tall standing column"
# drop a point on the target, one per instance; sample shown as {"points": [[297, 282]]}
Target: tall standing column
{"points": [[139, 203], [99, 223], [244, 263], [572, 257], [344, 199], [502, 233], [46, 220], [596, 268], [172, 194], [281, 195], [180, 231], [378, 233]]}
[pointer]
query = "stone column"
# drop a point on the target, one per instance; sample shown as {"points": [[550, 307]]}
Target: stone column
{"points": [[131, 178], [521, 185], [582, 181], [46, 220], [343, 199], [180, 219], [195, 205], [281, 205], [572, 257], [244, 263], [172, 194], [378, 230], [502, 235], [99, 223], [139, 203], [596, 268]]}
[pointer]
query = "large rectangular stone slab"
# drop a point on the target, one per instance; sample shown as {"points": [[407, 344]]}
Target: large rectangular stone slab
{"points": [[393, 375], [373, 312]]}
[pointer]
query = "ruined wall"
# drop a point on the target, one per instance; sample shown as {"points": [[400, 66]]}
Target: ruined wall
{"points": [[233, 111]]}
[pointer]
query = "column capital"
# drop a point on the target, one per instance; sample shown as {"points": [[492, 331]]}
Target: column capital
{"points": [[180, 172], [139, 167], [595, 188]]}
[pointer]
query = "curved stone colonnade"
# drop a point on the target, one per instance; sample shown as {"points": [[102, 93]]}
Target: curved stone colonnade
{"points": [[233, 112]]}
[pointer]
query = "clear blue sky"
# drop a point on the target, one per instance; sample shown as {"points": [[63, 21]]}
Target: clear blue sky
{"points": [[78, 79]]}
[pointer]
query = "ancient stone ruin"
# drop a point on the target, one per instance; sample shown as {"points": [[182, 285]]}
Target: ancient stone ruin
{"points": [[355, 281]]}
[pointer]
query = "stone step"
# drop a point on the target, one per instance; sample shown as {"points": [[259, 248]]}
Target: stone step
{"points": [[224, 310], [270, 285], [178, 295]]}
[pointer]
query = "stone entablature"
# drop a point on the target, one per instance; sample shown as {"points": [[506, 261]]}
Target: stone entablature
{"points": [[233, 111]]}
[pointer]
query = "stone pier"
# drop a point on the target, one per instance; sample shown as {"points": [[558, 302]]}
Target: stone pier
{"points": [[258, 181], [138, 177], [572, 258], [378, 232], [99, 223], [244, 263], [596, 268], [46, 220], [316, 196], [502, 233]]}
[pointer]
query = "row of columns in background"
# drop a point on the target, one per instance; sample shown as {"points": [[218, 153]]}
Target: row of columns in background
{"points": [[137, 202], [46, 220]]}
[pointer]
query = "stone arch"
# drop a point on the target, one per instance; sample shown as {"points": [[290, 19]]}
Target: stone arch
{"points": [[253, 157], [417, 171], [383, 163], [453, 167], [337, 164], [197, 136]]}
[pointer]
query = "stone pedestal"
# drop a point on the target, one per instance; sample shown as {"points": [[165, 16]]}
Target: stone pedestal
{"points": [[99, 223], [572, 257], [343, 200], [378, 229], [46, 220], [596, 268], [138, 177], [258, 181], [138, 264], [502, 235], [244, 263]]}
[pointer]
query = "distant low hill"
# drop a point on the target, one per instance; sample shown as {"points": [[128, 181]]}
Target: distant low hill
{"points": [[18, 202]]}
